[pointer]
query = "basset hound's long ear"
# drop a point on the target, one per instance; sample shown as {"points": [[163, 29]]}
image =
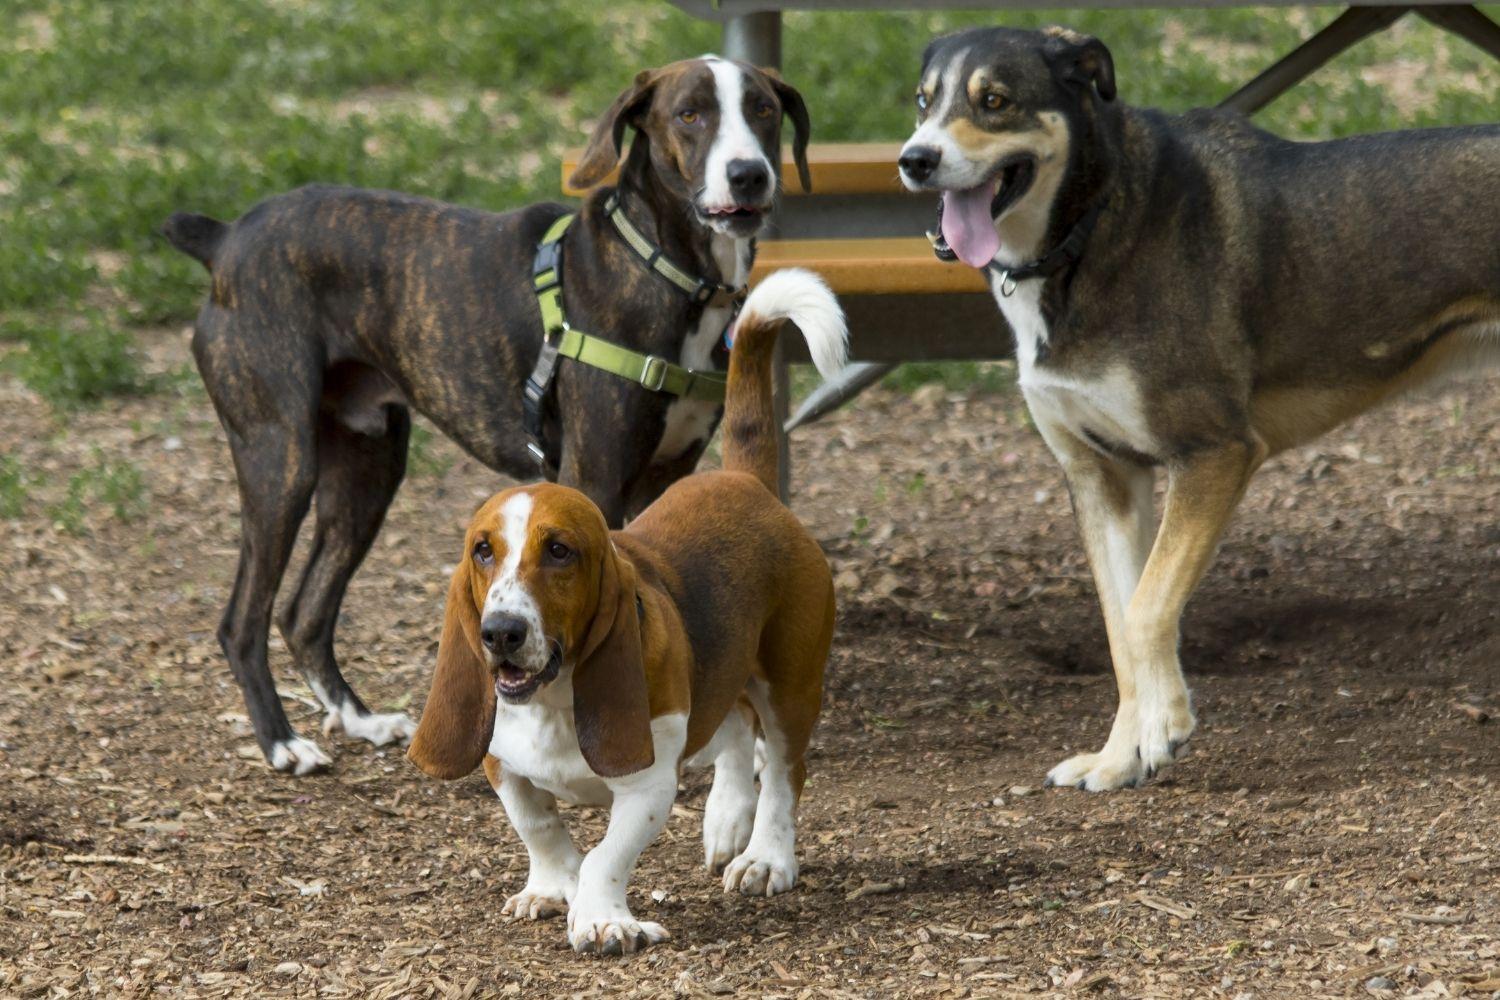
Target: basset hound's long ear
{"points": [[603, 152], [459, 717], [611, 706], [795, 108]]}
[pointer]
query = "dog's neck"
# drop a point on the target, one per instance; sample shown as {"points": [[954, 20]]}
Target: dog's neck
{"points": [[1065, 190], [669, 221]]}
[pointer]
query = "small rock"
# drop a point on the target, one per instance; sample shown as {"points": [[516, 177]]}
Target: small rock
{"points": [[288, 969], [1379, 983], [1021, 791], [173, 443]]}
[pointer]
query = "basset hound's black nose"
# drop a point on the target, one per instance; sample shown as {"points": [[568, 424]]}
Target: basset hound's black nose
{"points": [[502, 635]]}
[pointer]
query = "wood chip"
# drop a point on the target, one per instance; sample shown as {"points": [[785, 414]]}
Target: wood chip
{"points": [[114, 859], [1165, 905]]}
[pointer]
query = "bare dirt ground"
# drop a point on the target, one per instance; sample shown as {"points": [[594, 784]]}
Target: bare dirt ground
{"points": [[1331, 834]]}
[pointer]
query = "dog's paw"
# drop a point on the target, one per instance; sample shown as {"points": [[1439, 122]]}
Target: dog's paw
{"points": [[727, 822], [613, 935], [1096, 772], [758, 876], [378, 729], [529, 904], [298, 756], [1163, 732]]}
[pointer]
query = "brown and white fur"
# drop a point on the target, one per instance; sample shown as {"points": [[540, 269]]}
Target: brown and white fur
{"points": [[335, 312], [590, 665], [1240, 295]]}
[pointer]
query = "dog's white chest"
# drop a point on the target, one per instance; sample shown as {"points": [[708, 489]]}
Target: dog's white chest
{"points": [[538, 741], [690, 421], [1105, 409]]}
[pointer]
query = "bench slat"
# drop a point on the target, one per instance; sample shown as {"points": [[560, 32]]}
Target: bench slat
{"points": [[903, 266], [836, 168]]}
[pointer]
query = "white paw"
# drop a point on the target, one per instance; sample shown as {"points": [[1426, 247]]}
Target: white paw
{"points": [[532, 905], [1145, 739], [613, 935], [756, 876], [298, 756], [725, 834], [380, 730]]}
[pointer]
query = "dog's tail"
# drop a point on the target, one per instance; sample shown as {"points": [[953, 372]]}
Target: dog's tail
{"points": [[198, 236], [749, 420]]}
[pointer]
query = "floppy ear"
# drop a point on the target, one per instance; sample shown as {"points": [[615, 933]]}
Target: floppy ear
{"points": [[459, 717], [611, 709], [1084, 60], [795, 108], [603, 151]]}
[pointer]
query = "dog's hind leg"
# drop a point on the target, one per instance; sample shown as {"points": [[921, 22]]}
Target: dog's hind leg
{"points": [[266, 394], [1112, 501], [358, 475]]}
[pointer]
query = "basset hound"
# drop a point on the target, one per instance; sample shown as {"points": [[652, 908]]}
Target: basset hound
{"points": [[591, 665]]}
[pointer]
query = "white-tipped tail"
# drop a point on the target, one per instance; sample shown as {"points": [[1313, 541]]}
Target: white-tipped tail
{"points": [[801, 296]]}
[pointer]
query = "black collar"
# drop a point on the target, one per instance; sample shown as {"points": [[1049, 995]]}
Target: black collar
{"points": [[1065, 254]]}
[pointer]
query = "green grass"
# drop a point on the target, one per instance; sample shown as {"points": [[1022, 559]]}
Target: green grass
{"points": [[109, 484], [118, 113], [15, 487], [79, 364]]}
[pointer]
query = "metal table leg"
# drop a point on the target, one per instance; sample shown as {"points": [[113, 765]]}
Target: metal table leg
{"points": [[1468, 23], [1349, 27], [756, 39]]}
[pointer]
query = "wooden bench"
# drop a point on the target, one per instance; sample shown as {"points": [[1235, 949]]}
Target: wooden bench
{"points": [[885, 274]]}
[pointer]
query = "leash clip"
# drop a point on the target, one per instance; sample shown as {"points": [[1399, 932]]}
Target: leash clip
{"points": [[654, 375], [1007, 283]]}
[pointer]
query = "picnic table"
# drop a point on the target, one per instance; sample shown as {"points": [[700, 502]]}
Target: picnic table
{"points": [[862, 231]]}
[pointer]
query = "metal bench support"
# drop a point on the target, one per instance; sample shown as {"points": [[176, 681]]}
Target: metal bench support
{"points": [[756, 39]]}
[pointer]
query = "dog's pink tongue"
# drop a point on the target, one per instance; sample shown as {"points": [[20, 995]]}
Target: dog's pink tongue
{"points": [[967, 225]]}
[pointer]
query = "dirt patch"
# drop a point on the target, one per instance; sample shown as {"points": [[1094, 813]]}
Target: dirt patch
{"points": [[1333, 828]]}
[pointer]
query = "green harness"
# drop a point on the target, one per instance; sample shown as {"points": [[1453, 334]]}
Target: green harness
{"points": [[560, 340]]}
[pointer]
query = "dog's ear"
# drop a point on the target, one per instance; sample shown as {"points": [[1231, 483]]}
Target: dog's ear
{"points": [[603, 152], [795, 108], [1081, 59], [459, 717], [611, 707]]}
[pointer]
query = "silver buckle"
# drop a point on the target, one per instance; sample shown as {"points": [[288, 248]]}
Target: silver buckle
{"points": [[654, 375], [536, 452], [1007, 284]]}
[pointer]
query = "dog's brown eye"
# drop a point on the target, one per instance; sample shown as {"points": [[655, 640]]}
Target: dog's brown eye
{"points": [[765, 110], [558, 552], [994, 102], [483, 553], [687, 116]]}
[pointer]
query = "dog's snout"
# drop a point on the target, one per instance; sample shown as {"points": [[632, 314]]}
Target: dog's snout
{"points": [[503, 635], [748, 179], [918, 162]]}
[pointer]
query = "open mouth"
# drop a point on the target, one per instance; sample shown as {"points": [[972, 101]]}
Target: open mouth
{"points": [[734, 218], [515, 684], [966, 219]]}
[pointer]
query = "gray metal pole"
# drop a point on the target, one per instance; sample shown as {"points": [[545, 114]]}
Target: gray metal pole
{"points": [[756, 39]]}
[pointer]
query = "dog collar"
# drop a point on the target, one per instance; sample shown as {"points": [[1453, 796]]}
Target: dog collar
{"points": [[700, 290], [1063, 255], [561, 340], [1066, 253]]}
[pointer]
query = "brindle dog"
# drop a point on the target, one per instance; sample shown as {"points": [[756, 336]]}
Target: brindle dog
{"points": [[1205, 295], [334, 311]]}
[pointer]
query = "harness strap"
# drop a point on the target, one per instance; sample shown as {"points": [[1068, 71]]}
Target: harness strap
{"points": [[561, 340]]}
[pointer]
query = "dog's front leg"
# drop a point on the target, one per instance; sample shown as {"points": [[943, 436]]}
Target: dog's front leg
{"points": [[554, 861], [599, 919], [1202, 492], [1112, 502]]}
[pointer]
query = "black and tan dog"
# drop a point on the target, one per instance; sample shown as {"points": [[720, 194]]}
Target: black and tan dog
{"points": [[333, 311], [1191, 293]]}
